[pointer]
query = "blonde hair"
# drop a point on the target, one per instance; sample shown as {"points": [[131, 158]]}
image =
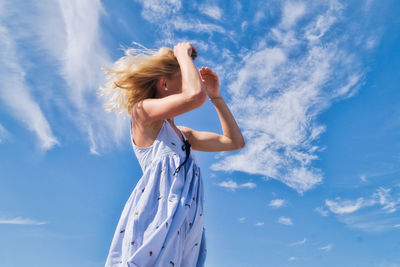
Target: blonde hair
{"points": [[134, 76]]}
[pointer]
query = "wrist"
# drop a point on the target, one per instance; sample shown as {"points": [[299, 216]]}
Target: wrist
{"points": [[215, 97], [183, 57]]}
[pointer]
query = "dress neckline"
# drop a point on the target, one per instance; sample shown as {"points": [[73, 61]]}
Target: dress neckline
{"points": [[183, 135], [165, 121]]}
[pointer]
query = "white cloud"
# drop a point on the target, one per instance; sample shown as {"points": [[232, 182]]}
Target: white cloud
{"points": [[285, 221], [69, 31], [381, 196], [315, 31], [392, 169], [292, 259], [242, 219], [291, 13], [15, 92], [212, 11], [232, 185], [258, 16], [277, 95], [277, 203], [327, 247], [20, 220], [299, 243], [345, 206], [374, 213], [363, 178], [322, 211], [154, 10], [195, 25], [244, 25], [66, 35], [259, 224], [371, 42], [385, 199], [248, 185], [3, 134]]}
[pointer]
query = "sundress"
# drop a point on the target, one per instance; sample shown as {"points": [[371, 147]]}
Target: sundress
{"points": [[162, 222]]}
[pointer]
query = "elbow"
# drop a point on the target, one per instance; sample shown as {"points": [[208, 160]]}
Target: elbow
{"points": [[198, 98], [240, 145]]}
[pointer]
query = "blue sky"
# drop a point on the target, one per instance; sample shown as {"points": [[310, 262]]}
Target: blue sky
{"points": [[313, 86]]}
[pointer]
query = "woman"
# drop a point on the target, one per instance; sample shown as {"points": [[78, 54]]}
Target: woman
{"points": [[162, 223]]}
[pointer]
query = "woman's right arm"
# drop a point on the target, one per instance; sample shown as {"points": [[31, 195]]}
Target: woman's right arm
{"points": [[193, 93]]}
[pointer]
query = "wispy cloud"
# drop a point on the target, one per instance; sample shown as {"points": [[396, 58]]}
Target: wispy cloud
{"points": [[381, 196], [20, 220], [285, 220], [242, 219], [67, 36], [212, 11], [232, 185], [344, 206], [259, 224], [372, 213], [80, 54], [291, 13], [322, 211], [15, 92], [299, 243], [196, 25], [156, 10], [278, 93], [277, 203], [327, 247], [363, 178], [3, 134]]}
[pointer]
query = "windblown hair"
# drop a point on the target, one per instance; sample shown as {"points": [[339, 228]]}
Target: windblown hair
{"points": [[134, 76]]}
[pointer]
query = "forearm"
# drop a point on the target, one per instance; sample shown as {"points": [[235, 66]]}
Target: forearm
{"points": [[191, 80], [228, 122]]}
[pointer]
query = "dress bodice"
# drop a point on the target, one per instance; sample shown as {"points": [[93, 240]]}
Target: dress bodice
{"points": [[167, 143]]}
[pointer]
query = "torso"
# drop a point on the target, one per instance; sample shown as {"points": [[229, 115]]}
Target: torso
{"points": [[144, 135]]}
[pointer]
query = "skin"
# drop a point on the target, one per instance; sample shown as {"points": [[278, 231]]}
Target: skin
{"points": [[231, 139]]}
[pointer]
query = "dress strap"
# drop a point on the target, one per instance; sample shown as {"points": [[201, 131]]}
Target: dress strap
{"points": [[184, 137]]}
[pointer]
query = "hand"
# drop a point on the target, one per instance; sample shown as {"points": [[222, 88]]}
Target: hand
{"points": [[183, 49], [210, 80]]}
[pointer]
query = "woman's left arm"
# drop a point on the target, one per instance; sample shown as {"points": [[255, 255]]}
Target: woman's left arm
{"points": [[232, 138]]}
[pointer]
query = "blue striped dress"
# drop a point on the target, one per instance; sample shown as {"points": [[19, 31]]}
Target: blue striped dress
{"points": [[162, 222]]}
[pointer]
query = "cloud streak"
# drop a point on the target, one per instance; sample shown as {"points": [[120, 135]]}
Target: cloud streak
{"points": [[20, 221], [299, 243], [73, 40], [3, 134], [15, 93], [233, 186], [374, 213], [212, 11]]}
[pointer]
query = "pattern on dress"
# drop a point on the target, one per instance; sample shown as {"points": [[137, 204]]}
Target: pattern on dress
{"points": [[162, 222]]}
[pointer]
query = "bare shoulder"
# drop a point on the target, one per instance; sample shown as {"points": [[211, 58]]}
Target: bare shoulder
{"points": [[144, 133]]}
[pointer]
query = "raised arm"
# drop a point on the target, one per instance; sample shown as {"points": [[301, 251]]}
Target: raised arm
{"points": [[193, 92], [232, 138]]}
